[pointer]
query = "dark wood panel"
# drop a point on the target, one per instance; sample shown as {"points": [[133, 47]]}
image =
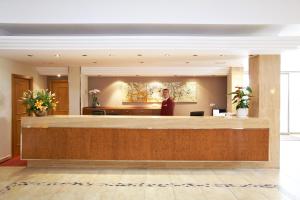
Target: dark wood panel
{"points": [[146, 144], [123, 110]]}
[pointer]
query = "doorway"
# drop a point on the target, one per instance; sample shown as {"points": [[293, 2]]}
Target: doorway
{"points": [[20, 84], [61, 90]]}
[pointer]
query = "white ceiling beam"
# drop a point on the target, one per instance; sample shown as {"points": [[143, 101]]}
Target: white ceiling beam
{"points": [[222, 44]]}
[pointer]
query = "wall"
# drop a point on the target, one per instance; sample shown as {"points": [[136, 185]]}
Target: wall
{"points": [[155, 11], [209, 90], [7, 68], [234, 79]]}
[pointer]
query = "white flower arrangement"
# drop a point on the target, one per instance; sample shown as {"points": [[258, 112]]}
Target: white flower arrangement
{"points": [[94, 91]]}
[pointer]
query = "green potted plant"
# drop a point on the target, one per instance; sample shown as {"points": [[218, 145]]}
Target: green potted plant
{"points": [[39, 102], [241, 98]]}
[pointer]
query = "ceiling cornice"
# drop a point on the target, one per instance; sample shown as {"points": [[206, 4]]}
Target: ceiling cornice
{"points": [[221, 44], [155, 71]]}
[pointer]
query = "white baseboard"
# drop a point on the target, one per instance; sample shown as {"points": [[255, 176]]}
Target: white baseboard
{"points": [[5, 158]]}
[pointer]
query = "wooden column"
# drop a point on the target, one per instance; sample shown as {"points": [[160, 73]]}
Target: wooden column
{"points": [[234, 79], [264, 76]]}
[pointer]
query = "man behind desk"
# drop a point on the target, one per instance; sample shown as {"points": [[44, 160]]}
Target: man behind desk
{"points": [[167, 106]]}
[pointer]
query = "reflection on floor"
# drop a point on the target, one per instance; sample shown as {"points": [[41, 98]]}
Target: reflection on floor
{"points": [[24, 183]]}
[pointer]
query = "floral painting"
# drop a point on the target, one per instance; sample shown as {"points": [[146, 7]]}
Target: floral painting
{"points": [[151, 92], [135, 92]]}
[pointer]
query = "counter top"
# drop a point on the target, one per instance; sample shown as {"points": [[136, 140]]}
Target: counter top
{"points": [[143, 122]]}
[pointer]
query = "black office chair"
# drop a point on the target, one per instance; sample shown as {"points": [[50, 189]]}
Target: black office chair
{"points": [[98, 112], [197, 113]]}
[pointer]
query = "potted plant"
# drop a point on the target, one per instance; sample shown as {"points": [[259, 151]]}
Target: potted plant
{"points": [[94, 93], [241, 98], [39, 102]]}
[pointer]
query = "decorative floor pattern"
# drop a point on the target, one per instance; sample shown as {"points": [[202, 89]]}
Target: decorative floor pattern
{"points": [[161, 185], [20, 183]]}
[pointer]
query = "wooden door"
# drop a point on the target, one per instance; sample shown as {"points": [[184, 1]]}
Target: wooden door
{"points": [[20, 84], [61, 90]]}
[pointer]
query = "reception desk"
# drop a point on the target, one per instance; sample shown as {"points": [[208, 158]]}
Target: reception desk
{"points": [[143, 141]]}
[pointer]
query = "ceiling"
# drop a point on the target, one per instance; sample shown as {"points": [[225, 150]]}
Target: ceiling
{"points": [[144, 29], [116, 58]]}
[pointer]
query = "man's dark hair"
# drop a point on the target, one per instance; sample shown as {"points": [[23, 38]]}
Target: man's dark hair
{"points": [[166, 89]]}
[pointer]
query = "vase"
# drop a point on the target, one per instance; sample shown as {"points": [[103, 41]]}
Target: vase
{"points": [[242, 112], [94, 104], [38, 113]]}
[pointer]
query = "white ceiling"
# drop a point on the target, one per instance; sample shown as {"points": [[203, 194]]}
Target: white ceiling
{"points": [[148, 29], [124, 58]]}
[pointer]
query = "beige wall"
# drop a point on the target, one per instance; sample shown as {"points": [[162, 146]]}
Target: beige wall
{"points": [[209, 90], [7, 68], [234, 79]]}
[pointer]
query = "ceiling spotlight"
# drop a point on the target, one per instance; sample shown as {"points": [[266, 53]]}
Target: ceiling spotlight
{"points": [[57, 55], [29, 55], [84, 55], [58, 75]]}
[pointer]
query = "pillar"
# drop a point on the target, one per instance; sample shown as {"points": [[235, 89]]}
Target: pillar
{"points": [[74, 90], [264, 77]]}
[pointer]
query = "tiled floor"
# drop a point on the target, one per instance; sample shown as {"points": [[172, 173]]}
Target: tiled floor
{"points": [[24, 183]]}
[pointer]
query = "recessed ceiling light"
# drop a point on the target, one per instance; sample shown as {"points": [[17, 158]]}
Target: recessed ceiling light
{"points": [[58, 75], [139, 55], [84, 55], [57, 55], [29, 55]]}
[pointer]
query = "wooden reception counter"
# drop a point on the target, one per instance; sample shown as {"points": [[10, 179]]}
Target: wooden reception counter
{"points": [[143, 141]]}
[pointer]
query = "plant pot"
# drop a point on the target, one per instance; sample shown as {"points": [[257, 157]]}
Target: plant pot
{"points": [[40, 113], [242, 112]]}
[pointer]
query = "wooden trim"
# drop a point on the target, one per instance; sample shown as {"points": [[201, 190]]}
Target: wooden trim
{"points": [[13, 97], [146, 164]]}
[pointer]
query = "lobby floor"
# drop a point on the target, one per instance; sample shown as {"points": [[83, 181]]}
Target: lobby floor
{"points": [[265, 184]]}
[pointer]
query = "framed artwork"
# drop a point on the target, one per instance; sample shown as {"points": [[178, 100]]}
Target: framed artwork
{"points": [[138, 92]]}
